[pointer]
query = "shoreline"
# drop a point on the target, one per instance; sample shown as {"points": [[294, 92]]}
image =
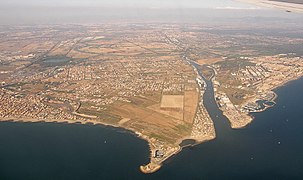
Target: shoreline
{"points": [[153, 166], [233, 124], [275, 4], [272, 89], [253, 99], [155, 162]]}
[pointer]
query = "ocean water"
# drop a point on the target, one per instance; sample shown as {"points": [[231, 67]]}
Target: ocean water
{"points": [[269, 148]]}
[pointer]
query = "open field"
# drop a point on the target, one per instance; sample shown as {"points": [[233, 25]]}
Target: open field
{"points": [[190, 100], [172, 102], [142, 79]]}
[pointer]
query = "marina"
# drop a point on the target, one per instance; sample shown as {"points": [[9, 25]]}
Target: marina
{"points": [[79, 151]]}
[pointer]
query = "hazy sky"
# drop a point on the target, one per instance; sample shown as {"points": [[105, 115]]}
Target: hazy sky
{"points": [[97, 11], [130, 3]]}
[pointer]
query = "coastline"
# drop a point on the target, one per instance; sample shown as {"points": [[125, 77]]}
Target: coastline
{"points": [[272, 89], [249, 116], [234, 124], [198, 156], [275, 4], [147, 169], [155, 164]]}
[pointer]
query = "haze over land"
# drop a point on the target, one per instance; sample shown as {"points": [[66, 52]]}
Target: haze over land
{"points": [[73, 11], [127, 3], [145, 65]]}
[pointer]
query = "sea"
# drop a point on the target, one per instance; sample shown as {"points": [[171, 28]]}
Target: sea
{"points": [[271, 147]]}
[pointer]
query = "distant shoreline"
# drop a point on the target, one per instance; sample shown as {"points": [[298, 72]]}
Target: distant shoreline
{"points": [[289, 1], [296, 7]]}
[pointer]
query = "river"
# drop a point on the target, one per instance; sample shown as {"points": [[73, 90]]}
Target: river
{"points": [[269, 148]]}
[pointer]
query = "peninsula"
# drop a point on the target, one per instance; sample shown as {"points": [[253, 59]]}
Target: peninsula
{"points": [[149, 78]]}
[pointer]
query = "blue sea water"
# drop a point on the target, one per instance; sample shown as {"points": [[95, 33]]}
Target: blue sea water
{"points": [[271, 147]]}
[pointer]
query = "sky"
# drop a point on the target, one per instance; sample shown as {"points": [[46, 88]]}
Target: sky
{"points": [[98, 11], [129, 3]]}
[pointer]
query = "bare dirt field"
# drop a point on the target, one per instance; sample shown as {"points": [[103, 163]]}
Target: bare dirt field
{"points": [[172, 101], [190, 104]]}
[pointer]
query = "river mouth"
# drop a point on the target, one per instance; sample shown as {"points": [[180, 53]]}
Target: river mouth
{"points": [[270, 148]]}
